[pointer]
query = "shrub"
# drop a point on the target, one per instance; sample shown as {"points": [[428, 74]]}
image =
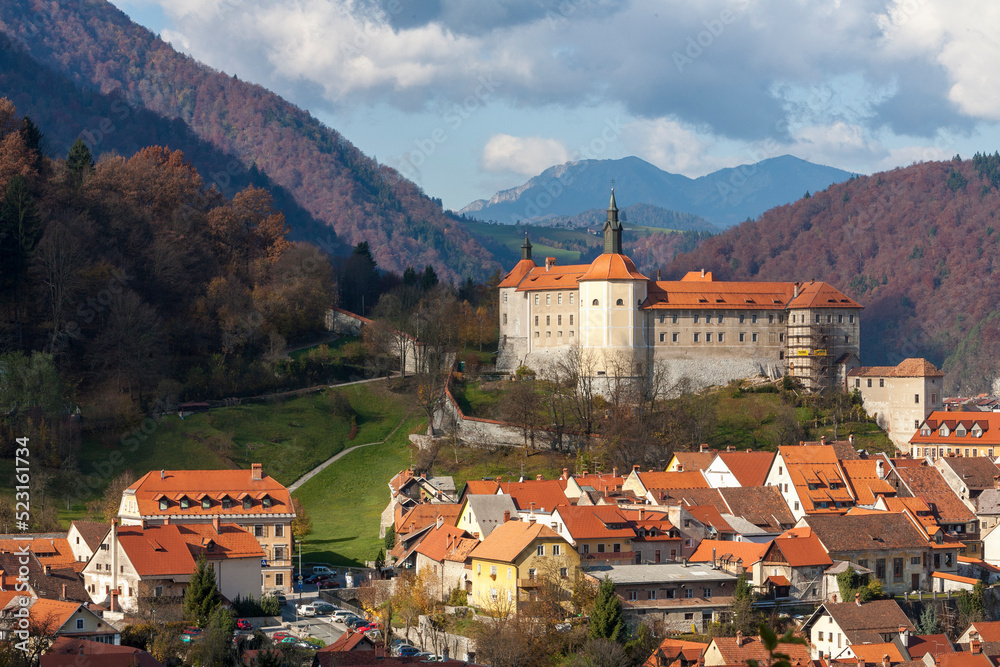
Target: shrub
{"points": [[458, 598]]}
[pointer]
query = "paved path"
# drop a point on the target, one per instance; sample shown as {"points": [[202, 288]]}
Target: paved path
{"points": [[309, 475]]}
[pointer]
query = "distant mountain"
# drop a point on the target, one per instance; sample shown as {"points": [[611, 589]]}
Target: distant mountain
{"points": [[636, 215], [918, 247], [725, 197], [131, 87]]}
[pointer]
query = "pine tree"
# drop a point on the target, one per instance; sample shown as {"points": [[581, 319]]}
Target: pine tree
{"points": [[79, 162], [428, 279], [201, 598], [608, 619]]}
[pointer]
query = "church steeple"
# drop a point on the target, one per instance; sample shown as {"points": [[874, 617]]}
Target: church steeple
{"points": [[526, 248], [612, 229]]}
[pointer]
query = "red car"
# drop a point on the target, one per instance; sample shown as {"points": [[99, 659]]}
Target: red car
{"points": [[243, 624], [366, 628], [278, 636]]}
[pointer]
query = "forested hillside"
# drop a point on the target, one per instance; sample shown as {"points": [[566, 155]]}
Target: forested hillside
{"points": [[917, 246], [98, 47]]}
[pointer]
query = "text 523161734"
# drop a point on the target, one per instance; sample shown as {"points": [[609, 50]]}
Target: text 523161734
{"points": [[22, 478]]}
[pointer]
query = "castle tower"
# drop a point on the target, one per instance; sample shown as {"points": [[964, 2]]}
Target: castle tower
{"points": [[612, 228]]}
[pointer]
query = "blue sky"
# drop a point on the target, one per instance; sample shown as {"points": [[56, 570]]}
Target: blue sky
{"points": [[467, 98]]}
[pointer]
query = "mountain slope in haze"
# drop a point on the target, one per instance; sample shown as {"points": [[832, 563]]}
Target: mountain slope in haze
{"points": [[724, 197], [640, 215], [98, 47], [918, 247]]}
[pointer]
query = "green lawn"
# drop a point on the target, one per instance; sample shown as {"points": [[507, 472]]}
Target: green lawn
{"points": [[346, 499]]}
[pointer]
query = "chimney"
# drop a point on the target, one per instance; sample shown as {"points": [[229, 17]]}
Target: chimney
{"points": [[862, 663], [635, 468], [642, 514], [904, 635], [531, 506], [499, 479], [506, 516], [531, 521], [885, 660], [63, 596], [822, 439], [703, 447], [163, 474], [217, 525], [879, 468], [549, 262], [730, 449], [703, 273], [565, 474], [739, 638], [614, 472], [975, 647], [538, 478], [857, 599], [476, 535], [48, 570], [795, 292], [145, 524], [439, 522], [256, 472], [850, 439], [585, 472]]}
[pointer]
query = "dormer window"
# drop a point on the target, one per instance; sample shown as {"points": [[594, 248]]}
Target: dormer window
{"points": [[227, 503], [185, 503], [266, 501], [943, 431], [206, 503], [927, 431], [960, 431], [247, 503], [164, 503], [976, 431]]}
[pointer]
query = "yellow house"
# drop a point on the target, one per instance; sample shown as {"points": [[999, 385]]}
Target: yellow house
{"points": [[515, 560]]}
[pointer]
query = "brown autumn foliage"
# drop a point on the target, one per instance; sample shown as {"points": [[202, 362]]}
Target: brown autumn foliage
{"points": [[916, 246]]}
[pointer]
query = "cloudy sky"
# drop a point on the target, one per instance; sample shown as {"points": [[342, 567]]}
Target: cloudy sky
{"points": [[467, 97]]}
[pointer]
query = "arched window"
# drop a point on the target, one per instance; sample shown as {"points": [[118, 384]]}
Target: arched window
{"points": [[595, 303], [619, 303]]}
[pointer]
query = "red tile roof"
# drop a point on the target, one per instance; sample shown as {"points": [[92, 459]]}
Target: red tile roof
{"points": [[908, 368], [673, 480], [52, 551], [480, 487], [694, 460], [447, 543], [762, 506], [695, 291], [171, 549], [919, 645], [989, 631], [520, 270], [800, 548], [612, 266], [556, 277], [670, 649], [753, 648], [862, 475], [546, 494], [67, 651], [927, 484], [506, 542], [988, 421], [216, 484], [710, 516], [586, 522], [749, 468], [750, 552], [425, 514]]}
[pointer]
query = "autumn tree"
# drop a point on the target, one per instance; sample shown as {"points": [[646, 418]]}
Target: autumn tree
{"points": [[301, 524], [520, 406], [16, 158], [105, 508]]}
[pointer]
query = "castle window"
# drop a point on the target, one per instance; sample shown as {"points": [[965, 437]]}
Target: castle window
{"points": [[559, 334], [536, 299], [571, 334], [817, 318], [559, 298], [770, 318], [708, 337], [696, 319], [505, 318], [571, 298], [753, 319], [869, 383], [840, 319], [851, 319], [781, 319], [721, 336], [558, 319], [674, 320], [743, 337], [571, 319], [781, 338], [536, 320], [662, 318], [742, 318], [596, 303], [548, 320], [916, 398], [753, 338], [881, 382], [676, 336], [847, 339], [781, 354], [720, 319], [505, 297], [829, 319], [548, 334], [857, 383], [619, 302], [697, 337], [548, 299], [663, 337]]}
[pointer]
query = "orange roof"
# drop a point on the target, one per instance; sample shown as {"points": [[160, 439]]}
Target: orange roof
{"points": [[480, 487], [507, 541], [671, 648], [821, 295], [545, 493], [875, 652], [52, 614], [750, 552], [520, 270], [817, 466], [53, 551], [801, 548], [749, 468], [230, 542], [989, 631], [612, 266], [598, 481], [988, 421], [555, 277], [216, 484], [753, 648], [954, 577], [171, 549], [586, 522], [710, 516], [693, 479], [425, 514], [695, 460], [908, 368], [447, 543], [862, 474]]}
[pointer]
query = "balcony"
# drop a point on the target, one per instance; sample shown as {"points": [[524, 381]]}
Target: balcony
{"points": [[530, 582]]}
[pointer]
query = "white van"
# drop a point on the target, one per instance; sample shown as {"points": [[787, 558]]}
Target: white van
{"points": [[322, 569], [306, 610]]}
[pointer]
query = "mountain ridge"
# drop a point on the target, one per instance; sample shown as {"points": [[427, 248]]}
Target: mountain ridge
{"points": [[724, 197]]}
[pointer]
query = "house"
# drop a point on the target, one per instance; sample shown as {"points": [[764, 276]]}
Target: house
{"points": [[43, 581], [676, 652], [590, 485], [517, 558], [688, 461], [899, 397], [835, 628], [968, 477], [481, 487], [960, 433], [136, 562], [737, 650], [866, 479], [739, 469], [733, 557], [66, 651], [763, 506], [707, 330], [408, 489], [678, 595], [534, 495], [481, 514], [249, 498], [84, 537], [655, 486], [987, 631], [948, 510], [887, 543], [793, 566], [56, 618], [443, 553], [607, 533], [988, 508], [810, 480]]}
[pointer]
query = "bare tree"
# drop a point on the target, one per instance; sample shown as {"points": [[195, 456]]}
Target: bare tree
{"points": [[59, 258], [520, 406], [578, 369]]}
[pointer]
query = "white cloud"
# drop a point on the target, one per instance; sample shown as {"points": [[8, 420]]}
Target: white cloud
{"points": [[671, 146], [526, 156]]}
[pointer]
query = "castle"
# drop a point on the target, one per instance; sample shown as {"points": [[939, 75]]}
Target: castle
{"points": [[608, 320]]}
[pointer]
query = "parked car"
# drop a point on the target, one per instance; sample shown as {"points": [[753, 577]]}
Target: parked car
{"points": [[342, 615], [356, 623], [190, 635], [324, 607], [289, 641], [406, 651], [366, 628], [374, 635], [306, 645], [323, 569], [278, 636], [243, 624], [306, 610], [326, 585], [282, 600]]}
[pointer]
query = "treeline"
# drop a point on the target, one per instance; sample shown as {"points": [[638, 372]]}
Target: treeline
{"points": [[916, 246], [127, 284]]}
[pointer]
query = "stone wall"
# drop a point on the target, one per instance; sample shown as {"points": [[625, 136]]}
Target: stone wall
{"points": [[346, 323]]}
